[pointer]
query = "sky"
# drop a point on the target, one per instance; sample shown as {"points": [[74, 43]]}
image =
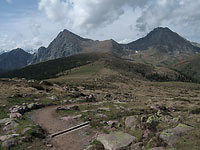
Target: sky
{"points": [[30, 24]]}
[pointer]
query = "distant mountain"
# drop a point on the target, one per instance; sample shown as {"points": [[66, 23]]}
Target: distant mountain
{"points": [[68, 43], [165, 40], [14, 59]]}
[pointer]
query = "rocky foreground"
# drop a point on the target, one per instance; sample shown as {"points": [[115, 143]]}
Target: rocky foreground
{"points": [[140, 116]]}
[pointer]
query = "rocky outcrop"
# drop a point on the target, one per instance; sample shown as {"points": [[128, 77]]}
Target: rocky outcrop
{"points": [[116, 140], [170, 136]]}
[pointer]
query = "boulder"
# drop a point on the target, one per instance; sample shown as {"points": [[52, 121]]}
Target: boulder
{"points": [[15, 115], [112, 123], [129, 121], [90, 98], [9, 143], [146, 134], [116, 140], [170, 136], [10, 126], [152, 121], [18, 109], [5, 120], [6, 137]]}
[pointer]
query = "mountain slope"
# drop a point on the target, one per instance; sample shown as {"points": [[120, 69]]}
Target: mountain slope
{"points": [[14, 59], [64, 66], [190, 67], [163, 39], [68, 43]]}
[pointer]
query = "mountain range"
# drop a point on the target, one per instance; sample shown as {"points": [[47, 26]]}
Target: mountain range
{"points": [[160, 41]]}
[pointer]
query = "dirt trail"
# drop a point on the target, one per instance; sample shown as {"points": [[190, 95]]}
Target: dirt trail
{"points": [[78, 140]]}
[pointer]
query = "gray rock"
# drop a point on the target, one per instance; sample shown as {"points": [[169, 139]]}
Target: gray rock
{"points": [[112, 123], [170, 136], [5, 120], [136, 146], [17, 109], [6, 137], [10, 126], [90, 98], [15, 115], [9, 143], [129, 122], [55, 98], [146, 134], [116, 140]]}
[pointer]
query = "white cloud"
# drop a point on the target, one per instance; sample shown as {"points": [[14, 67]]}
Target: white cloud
{"points": [[87, 14], [180, 15], [121, 20]]}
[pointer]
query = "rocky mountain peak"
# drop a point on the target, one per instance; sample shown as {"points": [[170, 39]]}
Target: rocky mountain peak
{"points": [[163, 39]]}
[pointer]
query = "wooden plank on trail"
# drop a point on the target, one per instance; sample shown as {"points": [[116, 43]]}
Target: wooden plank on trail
{"points": [[70, 129]]}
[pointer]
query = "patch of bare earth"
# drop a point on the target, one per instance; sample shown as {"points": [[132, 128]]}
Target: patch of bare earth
{"points": [[76, 140]]}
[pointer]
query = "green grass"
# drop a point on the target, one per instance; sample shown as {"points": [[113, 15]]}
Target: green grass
{"points": [[3, 113], [90, 69], [50, 69], [18, 101]]}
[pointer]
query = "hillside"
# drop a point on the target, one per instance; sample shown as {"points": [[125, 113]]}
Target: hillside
{"points": [[14, 59], [190, 67], [63, 67], [50, 68]]}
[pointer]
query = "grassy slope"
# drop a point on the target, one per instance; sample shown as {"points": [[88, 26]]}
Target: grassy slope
{"points": [[190, 67], [72, 68], [50, 68]]}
